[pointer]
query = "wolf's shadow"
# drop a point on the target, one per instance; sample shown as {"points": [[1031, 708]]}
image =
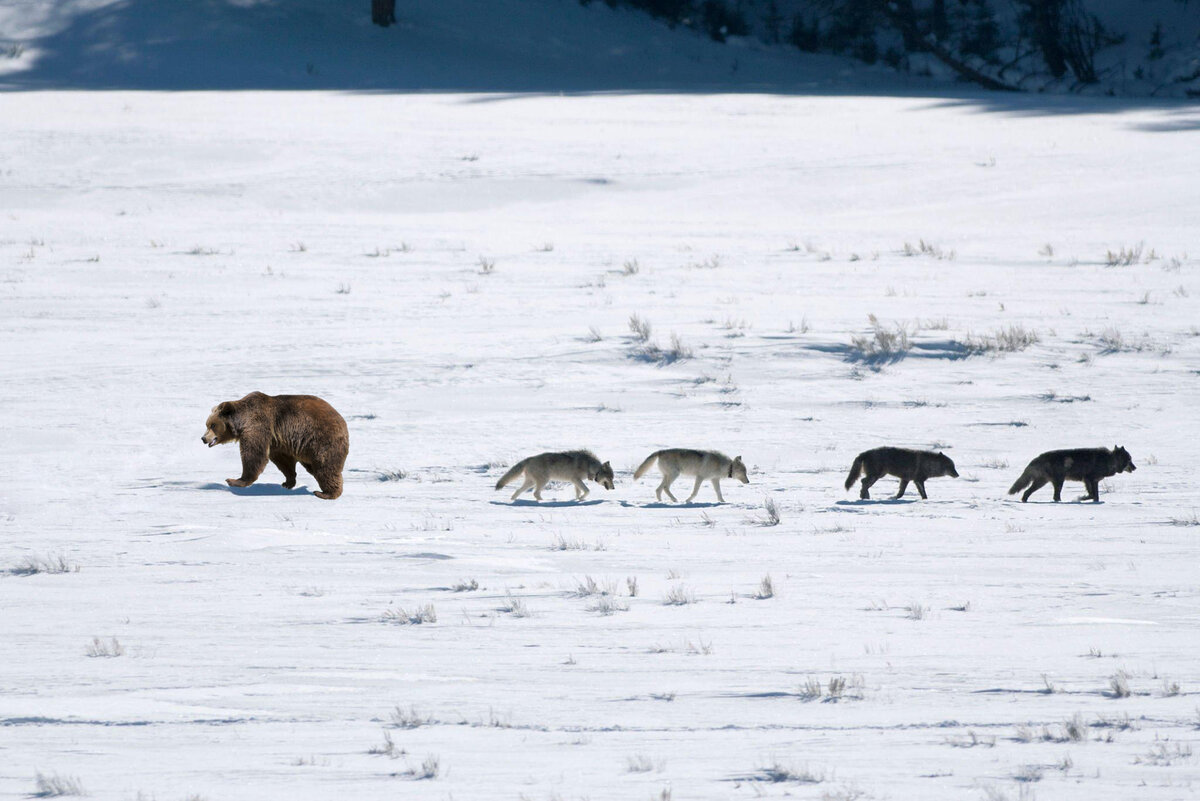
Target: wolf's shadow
{"points": [[658, 505], [546, 504], [877, 502]]}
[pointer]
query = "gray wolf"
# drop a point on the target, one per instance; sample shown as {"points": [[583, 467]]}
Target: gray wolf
{"points": [[284, 429], [704, 465], [1088, 465], [904, 463], [572, 466]]}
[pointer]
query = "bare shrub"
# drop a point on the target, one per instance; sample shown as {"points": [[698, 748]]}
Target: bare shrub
{"points": [[594, 335], [631, 267], [778, 772], [770, 516], [606, 605], [409, 718], [766, 588], [52, 564], [631, 585], [392, 475], [882, 344], [639, 763], [640, 328], [679, 595], [1002, 340], [56, 786], [1118, 685], [486, 266], [1124, 256], [387, 748], [105, 650], [916, 611], [514, 606], [402, 617], [430, 767], [470, 585]]}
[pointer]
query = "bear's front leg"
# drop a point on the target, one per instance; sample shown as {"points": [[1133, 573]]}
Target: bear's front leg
{"points": [[254, 461]]}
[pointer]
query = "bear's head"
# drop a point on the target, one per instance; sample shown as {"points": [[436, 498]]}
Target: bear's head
{"points": [[219, 427]]}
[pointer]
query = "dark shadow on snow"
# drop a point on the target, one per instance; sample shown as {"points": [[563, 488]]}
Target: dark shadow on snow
{"points": [[545, 504], [256, 490], [676, 506], [878, 502], [506, 52]]}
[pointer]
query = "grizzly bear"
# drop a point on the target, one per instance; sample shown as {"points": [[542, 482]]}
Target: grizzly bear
{"points": [[285, 429]]}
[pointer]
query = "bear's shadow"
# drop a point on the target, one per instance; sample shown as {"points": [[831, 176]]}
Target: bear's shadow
{"points": [[258, 490]]}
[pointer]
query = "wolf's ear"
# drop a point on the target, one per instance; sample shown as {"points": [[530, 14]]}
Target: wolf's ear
{"points": [[609, 466], [737, 458]]}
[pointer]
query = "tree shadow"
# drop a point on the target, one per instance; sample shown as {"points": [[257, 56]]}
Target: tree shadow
{"points": [[490, 52]]}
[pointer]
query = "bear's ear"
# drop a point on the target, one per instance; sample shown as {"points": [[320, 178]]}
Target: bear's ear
{"points": [[224, 408]]}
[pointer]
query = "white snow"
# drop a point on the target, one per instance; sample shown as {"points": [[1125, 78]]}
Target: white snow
{"points": [[161, 252]]}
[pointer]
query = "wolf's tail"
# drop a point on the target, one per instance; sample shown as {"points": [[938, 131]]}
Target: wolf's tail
{"points": [[1024, 481], [855, 470], [646, 465], [514, 471]]}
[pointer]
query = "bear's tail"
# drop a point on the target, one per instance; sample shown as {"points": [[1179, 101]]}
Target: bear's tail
{"points": [[646, 465], [1024, 481], [514, 471], [855, 470]]}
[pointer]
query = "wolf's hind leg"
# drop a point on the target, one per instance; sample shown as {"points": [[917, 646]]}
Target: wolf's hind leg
{"points": [[716, 482], [903, 488], [921, 488], [539, 485], [665, 486], [867, 481], [695, 489], [1034, 487], [528, 483]]}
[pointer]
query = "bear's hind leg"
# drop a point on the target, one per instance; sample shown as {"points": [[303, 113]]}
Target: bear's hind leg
{"points": [[331, 486]]}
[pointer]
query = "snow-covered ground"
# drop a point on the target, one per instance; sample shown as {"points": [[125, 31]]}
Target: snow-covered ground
{"points": [[456, 273]]}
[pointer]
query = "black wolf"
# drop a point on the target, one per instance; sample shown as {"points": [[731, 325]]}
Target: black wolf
{"points": [[1088, 465], [907, 465]]}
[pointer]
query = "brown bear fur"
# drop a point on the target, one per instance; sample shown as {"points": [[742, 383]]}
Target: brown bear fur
{"points": [[284, 429]]}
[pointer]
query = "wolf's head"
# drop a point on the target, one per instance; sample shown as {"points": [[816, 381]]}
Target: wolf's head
{"points": [[1122, 460], [219, 427], [946, 466], [604, 476], [738, 470]]}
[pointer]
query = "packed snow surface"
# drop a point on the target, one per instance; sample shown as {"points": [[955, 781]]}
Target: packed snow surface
{"points": [[456, 273]]}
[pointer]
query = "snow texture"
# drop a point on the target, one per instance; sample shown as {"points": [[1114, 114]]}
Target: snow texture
{"points": [[455, 272]]}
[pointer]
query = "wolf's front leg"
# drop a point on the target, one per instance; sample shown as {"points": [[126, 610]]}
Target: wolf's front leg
{"points": [[695, 489], [921, 489], [581, 490], [716, 482]]}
